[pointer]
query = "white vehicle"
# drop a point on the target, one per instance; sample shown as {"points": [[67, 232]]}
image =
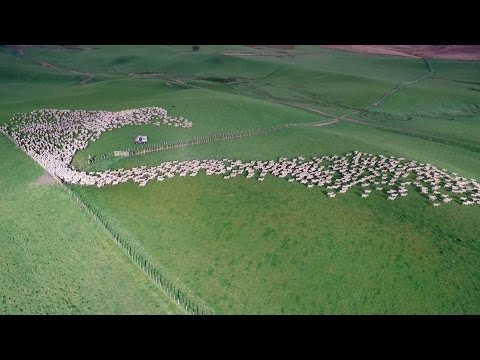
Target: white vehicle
{"points": [[140, 139]]}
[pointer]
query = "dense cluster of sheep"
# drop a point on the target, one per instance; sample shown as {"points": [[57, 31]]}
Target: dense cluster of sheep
{"points": [[336, 174], [53, 136]]}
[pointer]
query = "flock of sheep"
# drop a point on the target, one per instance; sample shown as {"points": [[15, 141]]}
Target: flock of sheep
{"points": [[52, 137]]}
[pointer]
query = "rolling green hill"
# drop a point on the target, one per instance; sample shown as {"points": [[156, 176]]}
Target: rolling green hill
{"points": [[55, 259], [239, 245]]}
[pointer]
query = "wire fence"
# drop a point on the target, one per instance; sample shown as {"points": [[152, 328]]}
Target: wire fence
{"points": [[158, 277], [183, 300], [172, 145]]}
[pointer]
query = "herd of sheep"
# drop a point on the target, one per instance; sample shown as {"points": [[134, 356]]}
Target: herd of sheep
{"points": [[52, 137]]}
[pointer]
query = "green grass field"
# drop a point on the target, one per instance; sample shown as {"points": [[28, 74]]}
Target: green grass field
{"points": [[238, 245], [276, 247], [54, 259]]}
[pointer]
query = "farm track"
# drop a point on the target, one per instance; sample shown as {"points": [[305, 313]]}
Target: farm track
{"points": [[344, 117], [417, 134], [89, 76], [385, 127], [398, 87], [402, 131], [336, 118]]}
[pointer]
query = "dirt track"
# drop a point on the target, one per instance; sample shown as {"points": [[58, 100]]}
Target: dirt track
{"points": [[301, 107], [45, 179], [282, 47], [48, 65]]}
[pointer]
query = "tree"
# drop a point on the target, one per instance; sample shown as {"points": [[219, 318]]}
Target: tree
{"points": [[195, 48]]}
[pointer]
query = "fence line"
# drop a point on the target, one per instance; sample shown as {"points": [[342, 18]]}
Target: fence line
{"points": [[153, 273], [403, 84], [176, 144]]}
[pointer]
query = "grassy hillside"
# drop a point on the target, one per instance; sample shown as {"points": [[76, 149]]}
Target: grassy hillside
{"points": [[54, 259], [294, 249], [276, 247], [240, 245]]}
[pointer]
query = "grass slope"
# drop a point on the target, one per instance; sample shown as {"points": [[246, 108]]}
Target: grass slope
{"points": [[244, 246], [54, 259], [276, 247]]}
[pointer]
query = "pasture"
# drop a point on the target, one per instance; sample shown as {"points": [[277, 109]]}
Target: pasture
{"points": [[54, 259], [241, 246]]}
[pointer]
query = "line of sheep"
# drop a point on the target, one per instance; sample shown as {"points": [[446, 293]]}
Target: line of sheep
{"points": [[52, 137]]}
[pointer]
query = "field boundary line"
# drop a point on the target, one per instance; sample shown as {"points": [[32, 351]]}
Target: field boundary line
{"points": [[403, 84], [157, 147], [414, 133], [173, 294], [89, 76], [206, 139]]}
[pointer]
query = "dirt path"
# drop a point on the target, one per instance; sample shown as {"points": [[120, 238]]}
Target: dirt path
{"points": [[361, 122], [397, 88], [183, 83], [84, 81], [332, 122], [335, 117], [303, 107], [340, 117], [418, 134], [46, 179], [44, 64], [347, 117]]}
